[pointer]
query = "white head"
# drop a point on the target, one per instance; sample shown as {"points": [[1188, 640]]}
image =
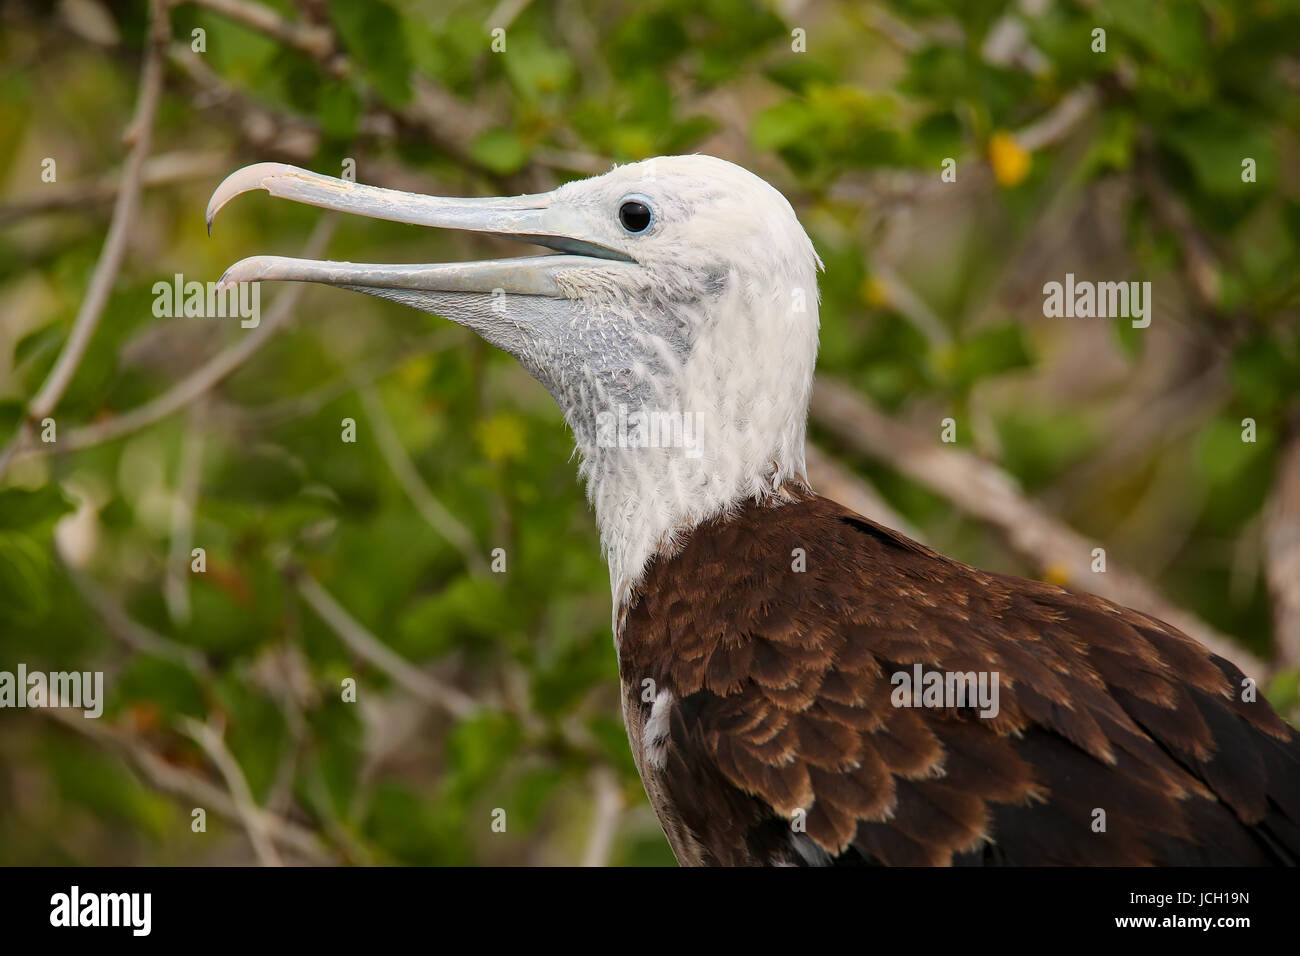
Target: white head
{"points": [[677, 330]]}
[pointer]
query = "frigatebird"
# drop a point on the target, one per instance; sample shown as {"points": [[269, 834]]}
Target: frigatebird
{"points": [[765, 634]]}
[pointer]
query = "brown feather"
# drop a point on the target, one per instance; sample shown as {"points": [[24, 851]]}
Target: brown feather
{"points": [[782, 711]]}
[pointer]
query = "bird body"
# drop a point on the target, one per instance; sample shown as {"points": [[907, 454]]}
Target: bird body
{"points": [[765, 634], [770, 730]]}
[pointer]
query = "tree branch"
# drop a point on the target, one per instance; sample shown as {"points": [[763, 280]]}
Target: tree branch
{"points": [[212, 739], [315, 41], [1282, 552], [984, 491], [193, 788], [189, 471], [139, 134], [430, 508], [202, 379], [162, 170], [137, 637], [606, 814], [378, 654]]}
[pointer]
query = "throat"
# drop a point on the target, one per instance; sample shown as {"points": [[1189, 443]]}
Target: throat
{"points": [[648, 500], [699, 426]]}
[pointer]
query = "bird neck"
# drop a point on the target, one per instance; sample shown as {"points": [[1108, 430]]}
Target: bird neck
{"points": [[647, 508], [726, 429]]}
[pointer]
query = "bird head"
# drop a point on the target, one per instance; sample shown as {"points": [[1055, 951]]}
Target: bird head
{"points": [[675, 324]]}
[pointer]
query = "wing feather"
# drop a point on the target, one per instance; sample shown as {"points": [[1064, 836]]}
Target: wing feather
{"points": [[785, 745]]}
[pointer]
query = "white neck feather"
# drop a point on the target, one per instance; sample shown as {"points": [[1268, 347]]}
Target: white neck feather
{"points": [[738, 404], [715, 333]]}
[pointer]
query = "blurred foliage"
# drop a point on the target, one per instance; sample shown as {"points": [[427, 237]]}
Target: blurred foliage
{"points": [[853, 126]]}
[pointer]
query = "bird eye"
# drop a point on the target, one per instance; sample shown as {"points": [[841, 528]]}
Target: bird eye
{"points": [[635, 215]]}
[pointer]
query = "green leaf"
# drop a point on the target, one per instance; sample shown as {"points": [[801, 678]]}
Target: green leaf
{"points": [[103, 786], [1223, 455], [1172, 32], [339, 109], [1214, 145], [797, 73], [1113, 148], [1264, 376], [532, 794], [166, 684], [478, 748], [1284, 692], [1037, 443], [535, 69], [500, 150], [402, 822], [782, 125], [373, 33], [25, 578], [21, 509], [471, 606], [988, 352]]}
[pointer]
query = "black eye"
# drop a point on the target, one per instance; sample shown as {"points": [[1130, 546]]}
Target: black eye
{"points": [[635, 216]]}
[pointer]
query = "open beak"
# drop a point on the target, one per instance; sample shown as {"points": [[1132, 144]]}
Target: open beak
{"points": [[537, 218]]}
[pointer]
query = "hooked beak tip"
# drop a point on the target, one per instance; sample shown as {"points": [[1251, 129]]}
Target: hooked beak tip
{"points": [[246, 179], [252, 269]]}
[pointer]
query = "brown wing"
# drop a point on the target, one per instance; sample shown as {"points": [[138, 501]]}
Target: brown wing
{"points": [[783, 744]]}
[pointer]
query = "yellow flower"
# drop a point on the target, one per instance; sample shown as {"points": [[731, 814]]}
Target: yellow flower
{"points": [[501, 437], [414, 372], [1010, 160], [1057, 573], [873, 292]]}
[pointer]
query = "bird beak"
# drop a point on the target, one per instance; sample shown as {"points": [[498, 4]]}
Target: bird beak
{"points": [[537, 218]]}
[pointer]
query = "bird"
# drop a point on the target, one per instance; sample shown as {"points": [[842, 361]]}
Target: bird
{"points": [[802, 686]]}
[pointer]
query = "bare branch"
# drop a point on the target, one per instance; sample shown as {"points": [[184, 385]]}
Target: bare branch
{"points": [[1057, 124], [1148, 420], [139, 134], [909, 38], [176, 588], [202, 379], [606, 814], [505, 13], [399, 462], [192, 788], [910, 305], [433, 112], [126, 629], [1200, 261], [378, 654], [162, 170], [984, 491], [1282, 553], [212, 739], [438, 115], [315, 41], [313, 400], [888, 189]]}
